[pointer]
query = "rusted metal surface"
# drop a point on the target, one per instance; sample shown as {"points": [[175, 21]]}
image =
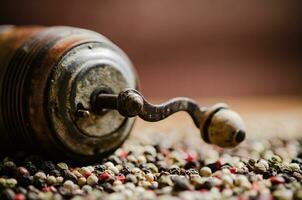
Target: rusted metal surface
{"points": [[98, 66], [45, 74], [131, 103], [218, 125]]}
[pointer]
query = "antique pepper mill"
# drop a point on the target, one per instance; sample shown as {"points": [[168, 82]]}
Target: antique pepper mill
{"points": [[72, 93]]}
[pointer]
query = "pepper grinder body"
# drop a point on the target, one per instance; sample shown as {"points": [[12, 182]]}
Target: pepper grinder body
{"points": [[47, 76]]}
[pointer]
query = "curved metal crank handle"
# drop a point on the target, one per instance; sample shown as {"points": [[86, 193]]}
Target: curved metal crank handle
{"points": [[218, 125]]}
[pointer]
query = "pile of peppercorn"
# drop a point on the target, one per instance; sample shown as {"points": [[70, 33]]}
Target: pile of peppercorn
{"points": [[163, 169]]}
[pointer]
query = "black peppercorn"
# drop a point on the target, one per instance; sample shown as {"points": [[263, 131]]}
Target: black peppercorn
{"points": [[26, 181], [213, 167], [107, 187], [114, 159], [100, 168], [8, 194], [125, 170], [68, 175], [48, 166], [31, 167], [55, 172], [180, 183], [174, 170], [9, 168], [21, 190], [192, 171], [39, 183], [32, 196]]}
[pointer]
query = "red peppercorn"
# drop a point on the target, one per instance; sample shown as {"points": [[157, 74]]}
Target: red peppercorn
{"points": [[233, 170], [276, 179], [124, 154], [46, 189], [190, 158], [87, 174], [218, 164], [121, 178], [22, 171], [53, 189], [104, 176], [19, 197]]}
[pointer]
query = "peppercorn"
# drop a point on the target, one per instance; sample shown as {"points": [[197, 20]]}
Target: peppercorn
{"points": [[274, 160], [47, 166], [11, 182], [100, 168], [190, 165], [22, 171], [8, 194], [121, 178], [192, 171], [31, 167], [68, 175], [206, 185], [165, 180], [62, 166], [9, 168], [82, 181], [180, 183], [59, 179], [205, 171], [26, 181], [55, 172], [131, 179], [51, 180], [32, 196], [19, 197], [92, 180], [297, 160], [107, 187], [294, 167], [125, 170], [35, 159], [87, 189], [104, 176], [114, 159], [68, 185], [237, 177], [213, 167], [261, 166], [21, 190], [174, 170], [39, 183]]}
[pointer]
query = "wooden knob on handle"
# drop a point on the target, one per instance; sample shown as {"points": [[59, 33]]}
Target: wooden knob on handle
{"points": [[222, 126]]}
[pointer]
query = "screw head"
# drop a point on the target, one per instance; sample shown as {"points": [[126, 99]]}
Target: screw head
{"points": [[83, 113]]}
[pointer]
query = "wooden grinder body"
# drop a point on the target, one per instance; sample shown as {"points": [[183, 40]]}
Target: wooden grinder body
{"points": [[47, 75]]}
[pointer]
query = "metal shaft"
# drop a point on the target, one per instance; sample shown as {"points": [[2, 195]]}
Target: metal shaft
{"points": [[131, 103]]}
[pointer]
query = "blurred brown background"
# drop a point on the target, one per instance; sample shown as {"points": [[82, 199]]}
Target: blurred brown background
{"points": [[190, 48]]}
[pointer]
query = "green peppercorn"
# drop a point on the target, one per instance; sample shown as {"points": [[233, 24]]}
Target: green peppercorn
{"points": [[11, 182], [62, 166]]}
